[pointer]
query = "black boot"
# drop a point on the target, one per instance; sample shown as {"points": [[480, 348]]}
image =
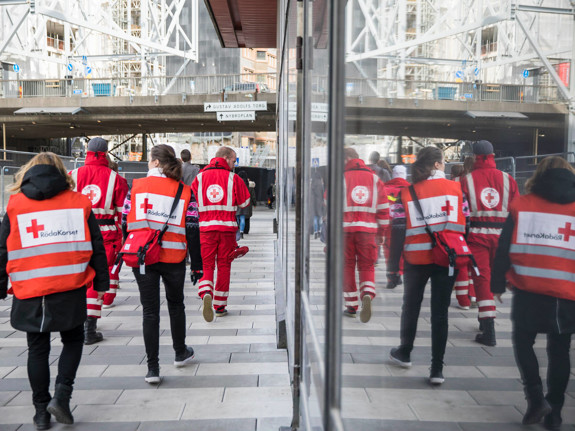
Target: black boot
{"points": [[487, 337], [90, 334], [60, 404], [537, 405], [42, 417], [553, 420]]}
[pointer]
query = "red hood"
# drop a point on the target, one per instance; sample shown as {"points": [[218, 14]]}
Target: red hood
{"points": [[484, 162], [98, 158], [217, 163], [397, 182], [355, 164]]}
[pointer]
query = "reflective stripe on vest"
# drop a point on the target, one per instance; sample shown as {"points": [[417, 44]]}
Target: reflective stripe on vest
{"points": [[228, 207], [487, 213], [419, 246], [360, 224], [542, 251], [544, 273], [435, 228], [174, 245], [218, 223], [48, 249], [49, 272]]}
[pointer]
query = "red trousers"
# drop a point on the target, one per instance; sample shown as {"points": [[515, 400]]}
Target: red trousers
{"points": [[216, 248], [360, 250], [93, 304], [464, 288], [483, 248]]}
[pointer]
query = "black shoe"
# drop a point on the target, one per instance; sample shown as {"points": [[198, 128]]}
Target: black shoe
{"points": [[42, 417], [184, 358], [153, 376], [537, 405], [436, 375], [59, 406], [221, 312], [553, 420], [349, 312], [91, 336], [487, 337], [400, 358], [241, 235], [399, 281]]}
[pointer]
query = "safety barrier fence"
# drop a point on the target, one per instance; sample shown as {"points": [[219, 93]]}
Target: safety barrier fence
{"points": [[266, 82]]}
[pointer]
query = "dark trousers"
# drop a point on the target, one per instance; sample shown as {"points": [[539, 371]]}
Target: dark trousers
{"points": [[558, 368], [416, 277], [194, 249], [39, 365], [173, 275]]}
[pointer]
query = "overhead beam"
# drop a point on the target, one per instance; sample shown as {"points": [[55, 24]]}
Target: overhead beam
{"points": [[13, 30], [541, 9]]}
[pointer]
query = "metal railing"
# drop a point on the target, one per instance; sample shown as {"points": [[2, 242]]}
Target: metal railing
{"points": [[265, 82]]}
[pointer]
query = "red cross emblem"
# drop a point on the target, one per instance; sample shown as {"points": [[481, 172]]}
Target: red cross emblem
{"points": [[214, 193], [145, 206], [566, 231], [35, 228], [447, 208], [92, 195], [360, 195], [489, 197]]}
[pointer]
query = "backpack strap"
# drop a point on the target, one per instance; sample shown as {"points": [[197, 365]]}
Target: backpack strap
{"points": [[420, 210], [174, 205]]}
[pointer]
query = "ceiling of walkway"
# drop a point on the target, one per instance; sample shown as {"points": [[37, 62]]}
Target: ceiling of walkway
{"points": [[244, 23]]}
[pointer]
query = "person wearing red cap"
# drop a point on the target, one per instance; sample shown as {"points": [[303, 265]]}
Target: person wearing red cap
{"points": [[489, 192], [219, 193], [106, 190]]}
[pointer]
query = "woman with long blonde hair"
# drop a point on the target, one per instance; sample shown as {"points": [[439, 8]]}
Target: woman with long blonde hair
{"points": [[50, 249]]}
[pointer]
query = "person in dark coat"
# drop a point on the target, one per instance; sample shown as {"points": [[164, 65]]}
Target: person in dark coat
{"points": [[534, 260], [244, 214], [44, 300]]}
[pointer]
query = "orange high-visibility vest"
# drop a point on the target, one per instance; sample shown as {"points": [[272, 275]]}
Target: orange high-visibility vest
{"points": [[441, 201], [49, 245], [152, 199], [542, 248]]}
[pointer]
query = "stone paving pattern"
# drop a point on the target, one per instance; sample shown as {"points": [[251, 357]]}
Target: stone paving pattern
{"points": [[239, 380]]}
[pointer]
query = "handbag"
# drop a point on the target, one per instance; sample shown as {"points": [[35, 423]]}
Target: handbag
{"points": [[449, 249], [142, 247]]}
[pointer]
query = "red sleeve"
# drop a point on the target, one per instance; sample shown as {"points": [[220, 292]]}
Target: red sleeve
{"points": [[513, 189], [382, 214], [194, 187]]}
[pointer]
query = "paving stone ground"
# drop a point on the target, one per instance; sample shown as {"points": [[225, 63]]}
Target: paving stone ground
{"points": [[240, 381]]}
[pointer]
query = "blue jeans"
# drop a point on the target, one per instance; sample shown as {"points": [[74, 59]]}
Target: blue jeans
{"points": [[242, 219], [316, 223]]}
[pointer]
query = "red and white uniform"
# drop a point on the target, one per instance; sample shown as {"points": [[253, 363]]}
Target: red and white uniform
{"points": [[442, 203], [219, 193], [543, 247], [151, 201], [49, 246], [393, 188], [106, 191], [464, 289], [365, 217], [489, 192]]}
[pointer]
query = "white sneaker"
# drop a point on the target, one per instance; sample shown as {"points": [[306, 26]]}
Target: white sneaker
{"points": [[208, 310], [365, 313], [463, 307], [105, 307]]}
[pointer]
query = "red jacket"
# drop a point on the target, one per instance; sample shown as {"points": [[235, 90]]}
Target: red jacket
{"points": [[394, 187], [543, 247], [219, 193], [105, 190], [366, 208], [489, 192], [49, 246]]}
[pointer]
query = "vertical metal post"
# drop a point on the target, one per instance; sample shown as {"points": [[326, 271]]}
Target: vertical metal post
{"points": [[4, 138], [334, 284], [144, 147]]}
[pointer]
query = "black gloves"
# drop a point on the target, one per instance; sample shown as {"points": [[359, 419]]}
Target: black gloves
{"points": [[195, 276], [393, 280]]}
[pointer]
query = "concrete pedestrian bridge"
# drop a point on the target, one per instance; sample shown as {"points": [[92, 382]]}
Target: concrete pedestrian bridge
{"points": [[60, 108]]}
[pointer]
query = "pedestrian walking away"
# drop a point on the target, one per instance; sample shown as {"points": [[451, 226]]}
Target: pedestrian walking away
{"points": [[535, 258], [365, 220], [51, 248], [382, 173], [150, 205], [489, 192], [189, 171], [244, 214], [106, 191], [220, 193], [441, 203]]}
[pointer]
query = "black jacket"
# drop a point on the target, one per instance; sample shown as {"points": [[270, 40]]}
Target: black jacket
{"points": [[59, 311], [532, 311]]}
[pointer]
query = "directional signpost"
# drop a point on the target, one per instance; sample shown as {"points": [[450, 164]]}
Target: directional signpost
{"points": [[236, 116], [235, 111]]}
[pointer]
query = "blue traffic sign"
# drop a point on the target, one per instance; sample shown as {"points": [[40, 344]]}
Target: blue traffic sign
{"points": [[315, 162], [16, 68], [70, 67], [459, 74], [88, 70], [237, 161], [476, 71], [84, 60], [468, 95], [525, 73]]}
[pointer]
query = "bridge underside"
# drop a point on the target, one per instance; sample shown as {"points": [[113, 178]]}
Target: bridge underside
{"points": [[505, 124]]}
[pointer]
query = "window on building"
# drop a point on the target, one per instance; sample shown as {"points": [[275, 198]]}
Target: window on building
{"points": [[261, 55]]}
